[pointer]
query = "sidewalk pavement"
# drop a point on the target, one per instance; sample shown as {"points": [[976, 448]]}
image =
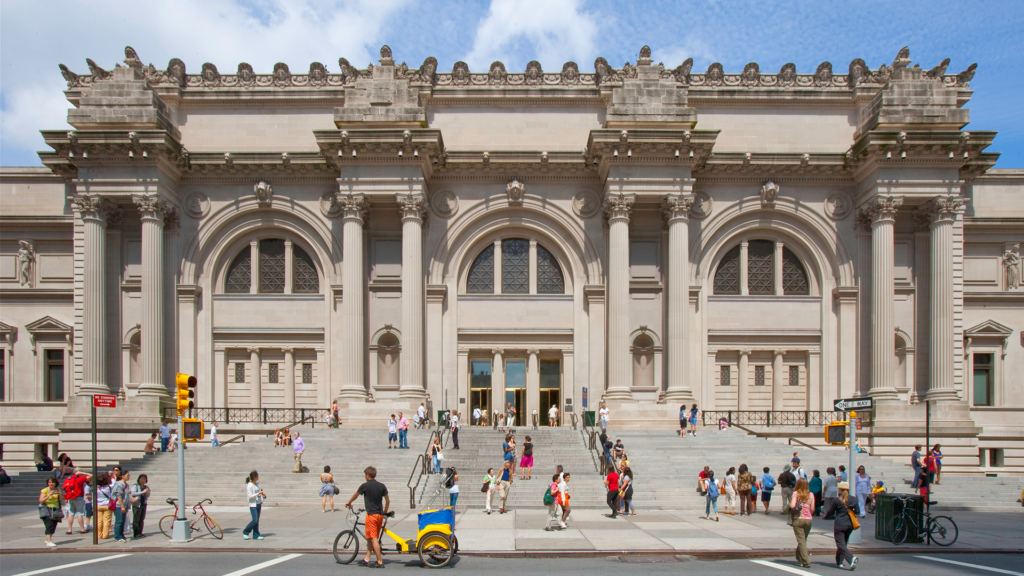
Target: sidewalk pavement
{"points": [[302, 529]]}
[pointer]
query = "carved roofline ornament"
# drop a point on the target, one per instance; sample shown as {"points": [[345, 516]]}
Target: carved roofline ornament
{"points": [[264, 193], [769, 194], [515, 190]]}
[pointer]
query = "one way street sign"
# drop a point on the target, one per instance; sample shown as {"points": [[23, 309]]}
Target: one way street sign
{"points": [[847, 404]]}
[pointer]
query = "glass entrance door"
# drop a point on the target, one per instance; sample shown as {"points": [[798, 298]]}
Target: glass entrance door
{"points": [[480, 389], [550, 391], [515, 389]]}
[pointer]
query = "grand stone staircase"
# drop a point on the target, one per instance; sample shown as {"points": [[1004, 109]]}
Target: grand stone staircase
{"points": [[665, 468]]}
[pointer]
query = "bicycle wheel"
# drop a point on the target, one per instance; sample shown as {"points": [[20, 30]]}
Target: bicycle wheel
{"points": [[213, 527], [435, 550], [167, 525], [899, 529], [346, 546], [943, 530]]}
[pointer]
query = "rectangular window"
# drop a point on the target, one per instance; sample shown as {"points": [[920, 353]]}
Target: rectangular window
{"points": [[54, 375], [307, 373], [272, 373], [725, 378], [983, 369], [480, 374], [758, 375], [794, 375], [239, 373], [550, 374]]}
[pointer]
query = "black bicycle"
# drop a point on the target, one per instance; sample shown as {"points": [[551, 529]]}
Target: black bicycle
{"points": [[939, 529]]}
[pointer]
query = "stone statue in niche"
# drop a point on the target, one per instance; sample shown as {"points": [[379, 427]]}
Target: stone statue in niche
{"points": [[1011, 261], [26, 259]]}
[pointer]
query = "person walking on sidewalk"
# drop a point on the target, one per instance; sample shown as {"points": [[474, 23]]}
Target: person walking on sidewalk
{"points": [[712, 489], [842, 474], [787, 481], [937, 462], [140, 502], [255, 495], [526, 463], [745, 483], [455, 429], [915, 463], [327, 489], [298, 447], [731, 492], [830, 486], [563, 495], [863, 483], [816, 487], [214, 441], [50, 512], [611, 482], [843, 507], [551, 501], [505, 484], [403, 431], [802, 505], [392, 433], [490, 488], [376, 503]]}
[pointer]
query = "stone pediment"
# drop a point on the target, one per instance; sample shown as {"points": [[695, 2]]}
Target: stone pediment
{"points": [[8, 333], [47, 325], [989, 328]]}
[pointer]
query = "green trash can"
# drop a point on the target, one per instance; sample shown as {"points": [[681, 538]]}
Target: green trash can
{"points": [[589, 418], [441, 415], [887, 506]]}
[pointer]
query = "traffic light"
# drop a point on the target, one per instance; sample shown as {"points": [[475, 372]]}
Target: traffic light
{"points": [[835, 433], [185, 392], [193, 429]]}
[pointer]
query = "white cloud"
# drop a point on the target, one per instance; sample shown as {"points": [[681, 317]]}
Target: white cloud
{"points": [[552, 29], [702, 54], [224, 32]]}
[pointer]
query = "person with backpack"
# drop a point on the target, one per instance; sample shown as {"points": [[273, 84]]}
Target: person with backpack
{"points": [[74, 494], [843, 507], [712, 491], [766, 484], [551, 501], [787, 481], [453, 486]]}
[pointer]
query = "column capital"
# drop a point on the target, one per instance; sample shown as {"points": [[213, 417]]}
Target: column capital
{"points": [[677, 207], [253, 349], [778, 352], [94, 207], [533, 351], [881, 209], [744, 351], [152, 206], [353, 206], [618, 206], [413, 207], [287, 349], [940, 210], [497, 351]]}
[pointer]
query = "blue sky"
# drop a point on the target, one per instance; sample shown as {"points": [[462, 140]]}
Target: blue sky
{"points": [[298, 32]]}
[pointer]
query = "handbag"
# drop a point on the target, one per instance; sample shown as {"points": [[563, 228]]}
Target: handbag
{"points": [[337, 490], [440, 456], [853, 518], [483, 488]]}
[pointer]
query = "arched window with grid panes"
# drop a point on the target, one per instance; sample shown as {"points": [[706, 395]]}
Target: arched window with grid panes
{"points": [[549, 273], [762, 270], [727, 276], [239, 277], [516, 255], [515, 266], [794, 277], [273, 269], [481, 273]]}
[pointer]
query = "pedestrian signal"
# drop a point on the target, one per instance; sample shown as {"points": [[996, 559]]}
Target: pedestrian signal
{"points": [[193, 429], [835, 433], [186, 391]]}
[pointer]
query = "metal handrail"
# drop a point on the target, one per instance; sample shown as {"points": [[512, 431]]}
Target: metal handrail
{"points": [[250, 415], [230, 440], [413, 487], [802, 443], [768, 418]]}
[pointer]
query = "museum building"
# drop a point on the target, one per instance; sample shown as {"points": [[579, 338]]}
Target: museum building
{"points": [[649, 236]]}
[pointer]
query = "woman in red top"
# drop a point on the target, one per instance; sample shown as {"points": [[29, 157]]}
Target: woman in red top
{"points": [[612, 483]]}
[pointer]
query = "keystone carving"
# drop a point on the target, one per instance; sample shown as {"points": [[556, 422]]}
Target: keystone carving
{"points": [[769, 194], [515, 190], [264, 193]]}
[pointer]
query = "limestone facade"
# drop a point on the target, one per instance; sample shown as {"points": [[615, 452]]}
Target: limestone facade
{"points": [[644, 236]]}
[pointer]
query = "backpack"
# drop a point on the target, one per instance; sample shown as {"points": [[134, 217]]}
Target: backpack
{"points": [[549, 498], [449, 477], [70, 490], [712, 489], [767, 483]]}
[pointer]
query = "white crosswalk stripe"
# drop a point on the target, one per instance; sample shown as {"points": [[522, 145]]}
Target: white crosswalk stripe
{"points": [[263, 565], [783, 567], [976, 566], [72, 565]]}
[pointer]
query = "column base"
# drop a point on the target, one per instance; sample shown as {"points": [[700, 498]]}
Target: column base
{"points": [[90, 389], [352, 394], [618, 394], [412, 394], [942, 395], [152, 390], [677, 395], [884, 394]]}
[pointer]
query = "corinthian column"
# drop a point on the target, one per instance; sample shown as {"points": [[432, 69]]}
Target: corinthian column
{"points": [[882, 212], [413, 210], [677, 211], [942, 213], [618, 207], [353, 383], [94, 211], [153, 210]]}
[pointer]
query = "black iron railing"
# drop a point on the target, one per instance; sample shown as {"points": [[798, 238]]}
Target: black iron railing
{"points": [[805, 418], [254, 415]]}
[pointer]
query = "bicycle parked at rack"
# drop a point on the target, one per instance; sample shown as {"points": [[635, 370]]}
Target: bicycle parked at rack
{"points": [[435, 540], [939, 529], [167, 521]]}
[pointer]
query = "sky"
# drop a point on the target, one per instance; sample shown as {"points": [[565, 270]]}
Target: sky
{"points": [[35, 37]]}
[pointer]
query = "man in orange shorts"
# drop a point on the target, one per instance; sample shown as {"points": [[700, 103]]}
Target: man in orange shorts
{"points": [[376, 503]]}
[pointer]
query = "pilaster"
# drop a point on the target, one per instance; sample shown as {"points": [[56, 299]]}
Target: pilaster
{"points": [[778, 401], [256, 370], [742, 382], [289, 376]]}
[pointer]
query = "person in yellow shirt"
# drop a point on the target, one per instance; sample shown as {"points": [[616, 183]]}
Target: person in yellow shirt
{"points": [[50, 508], [879, 488]]}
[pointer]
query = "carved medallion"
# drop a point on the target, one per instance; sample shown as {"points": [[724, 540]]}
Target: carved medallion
{"points": [[702, 205], [515, 190], [586, 203], [838, 206], [329, 206], [769, 194], [444, 203], [264, 192], [196, 204]]}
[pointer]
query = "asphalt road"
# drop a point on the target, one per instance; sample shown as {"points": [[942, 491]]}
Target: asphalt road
{"points": [[264, 564]]}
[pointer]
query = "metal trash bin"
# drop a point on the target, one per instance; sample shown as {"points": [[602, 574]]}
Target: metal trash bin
{"points": [[589, 418], [887, 506]]}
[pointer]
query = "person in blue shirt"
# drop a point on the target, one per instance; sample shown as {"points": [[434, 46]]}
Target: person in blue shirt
{"points": [[682, 420], [766, 484], [842, 474], [165, 436]]}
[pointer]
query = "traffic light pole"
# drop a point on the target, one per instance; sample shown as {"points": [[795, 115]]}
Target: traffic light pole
{"points": [[851, 476], [182, 532]]}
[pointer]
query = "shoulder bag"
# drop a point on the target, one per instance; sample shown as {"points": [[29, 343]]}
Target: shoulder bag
{"points": [[853, 517]]}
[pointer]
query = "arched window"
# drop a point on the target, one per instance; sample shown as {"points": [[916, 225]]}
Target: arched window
{"points": [[272, 266], [549, 273], [727, 277], [481, 273], [304, 276], [515, 266], [761, 267], [239, 278], [794, 277]]}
